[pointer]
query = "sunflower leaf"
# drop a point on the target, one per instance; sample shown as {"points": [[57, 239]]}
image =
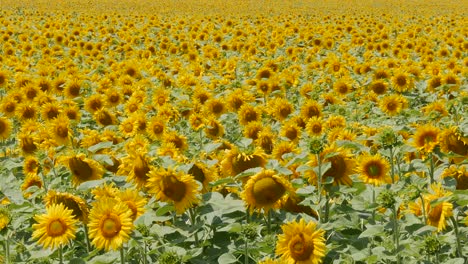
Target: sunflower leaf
{"points": [[99, 146], [227, 258]]}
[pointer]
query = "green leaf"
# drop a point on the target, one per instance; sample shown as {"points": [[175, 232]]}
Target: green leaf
{"points": [[211, 147], [227, 258], [77, 261], [455, 261], [165, 209], [90, 184], [99, 146], [372, 231]]}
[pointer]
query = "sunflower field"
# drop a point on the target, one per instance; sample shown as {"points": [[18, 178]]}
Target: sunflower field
{"points": [[212, 131]]}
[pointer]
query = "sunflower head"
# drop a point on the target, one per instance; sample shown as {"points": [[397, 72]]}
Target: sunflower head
{"points": [[452, 140], [72, 202], [426, 138], [83, 169], [301, 242], [266, 191], [55, 228], [110, 224], [374, 169], [175, 187]]}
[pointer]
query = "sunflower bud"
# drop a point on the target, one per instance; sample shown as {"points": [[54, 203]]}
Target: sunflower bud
{"points": [[388, 138], [169, 257], [387, 199], [432, 245], [143, 229], [413, 192], [316, 145], [250, 231]]}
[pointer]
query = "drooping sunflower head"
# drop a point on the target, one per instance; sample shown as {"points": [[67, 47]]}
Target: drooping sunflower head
{"points": [[266, 190], [76, 204], [175, 187], [342, 165], [301, 242], [5, 128], [135, 202], [55, 228], [235, 162], [83, 169], [110, 224], [459, 173], [5, 217], [452, 140], [426, 138], [373, 169], [203, 174], [29, 181], [136, 167]]}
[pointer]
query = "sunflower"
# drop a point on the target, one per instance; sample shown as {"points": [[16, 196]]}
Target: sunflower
{"points": [[342, 165], [179, 141], [378, 87], [175, 187], [314, 126], [291, 131], [50, 110], [281, 108], [135, 202], [26, 111], [292, 205], [335, 121], [301, 243], [452, 140], [156, 128], [392, 104], [55, 228], [110, 224], [31, 165], [342, 87], [72, 112], [113, 97], [72, 88], [266, 191], [310, 109], [426, 138], [402, 82], [8, 107], [197, 121], [5, 217], [235, 162], [5, 128], [460, 174], [83, 169], [136, 167], [72, 202], [128, 127], [105, 190], [203, 175], [213, 128], [106, 118], [60, 130], [373, 169], [283, 147], [28, 143], [265, 140], [248, 113], [215, 106], [438, 214], [29, 181], [252, 129]]}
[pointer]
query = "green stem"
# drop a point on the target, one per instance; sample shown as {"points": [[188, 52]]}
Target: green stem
{"points": [[246, 254], [247, 215], [327, 209], [122, 255], [7, 250], [396, 234], [431, 169], [392, 165], [269, 222], [423, 209], [373, 203], [200, 133], [61, 254], [144, 253], [457, 235], [88, 244], [193, 218], [319, 184]]}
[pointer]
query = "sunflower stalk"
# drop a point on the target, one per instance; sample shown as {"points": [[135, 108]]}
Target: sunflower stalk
{"points": [[431, 169], [457, 235], [7, 250], [269, 222], [246, 253], [122, 255], [61, 254], [193, 219], [396, 233], [423, 209], [392, 165], [88, 244]]}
